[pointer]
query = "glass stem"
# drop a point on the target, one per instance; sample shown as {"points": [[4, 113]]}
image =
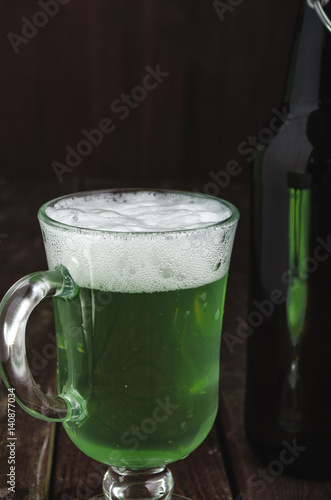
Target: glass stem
{"points": [[126, 484]]}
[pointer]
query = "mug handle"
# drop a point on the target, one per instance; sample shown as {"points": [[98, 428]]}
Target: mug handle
{"points": [[15, 309]]}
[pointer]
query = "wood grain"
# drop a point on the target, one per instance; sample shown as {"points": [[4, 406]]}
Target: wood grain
{"points": [[21, 252], [32, 454], [225, 76]]}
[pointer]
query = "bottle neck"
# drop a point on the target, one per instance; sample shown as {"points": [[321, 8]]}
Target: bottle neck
{"points": [[309, 77]]}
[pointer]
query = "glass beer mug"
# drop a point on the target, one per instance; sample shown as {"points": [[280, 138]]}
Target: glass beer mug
{"points": [[138, 280]]}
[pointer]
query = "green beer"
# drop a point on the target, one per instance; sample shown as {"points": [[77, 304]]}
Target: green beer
{"points": [[139, 341], [147, 366], [138, 280]]}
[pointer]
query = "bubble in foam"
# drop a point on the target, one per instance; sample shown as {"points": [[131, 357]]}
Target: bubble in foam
{"points": [[167, 273], [219, 239], [139, 241]]}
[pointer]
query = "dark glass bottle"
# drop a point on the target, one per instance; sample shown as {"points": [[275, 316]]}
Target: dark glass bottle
{"points": [[288, 392]]}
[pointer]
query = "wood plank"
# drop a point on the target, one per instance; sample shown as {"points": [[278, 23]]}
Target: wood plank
{"points": [[202, 475], [225, 77], [21, 252], [31, 450], [34, 441]]}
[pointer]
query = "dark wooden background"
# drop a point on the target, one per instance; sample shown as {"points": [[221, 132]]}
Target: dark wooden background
{"points": [[225, 77]]}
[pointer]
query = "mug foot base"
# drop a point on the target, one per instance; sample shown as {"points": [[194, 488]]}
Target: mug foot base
{"points": [[173, 497], [143, 484]]}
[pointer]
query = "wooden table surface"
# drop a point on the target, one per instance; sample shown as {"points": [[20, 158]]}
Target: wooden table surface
{"points": [[48, 465]]}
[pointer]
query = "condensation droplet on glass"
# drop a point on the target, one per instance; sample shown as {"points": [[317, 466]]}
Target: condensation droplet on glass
{"points": [[217, 265], [155, 260], [186, 314], [219, 239], [70, 244], [74, 261], [203, 298], [167, 273], [217, 314], [205, 305], [185, 245]]}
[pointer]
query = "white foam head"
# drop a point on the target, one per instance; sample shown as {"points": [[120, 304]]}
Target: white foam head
{"points": [[141, 241]]}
